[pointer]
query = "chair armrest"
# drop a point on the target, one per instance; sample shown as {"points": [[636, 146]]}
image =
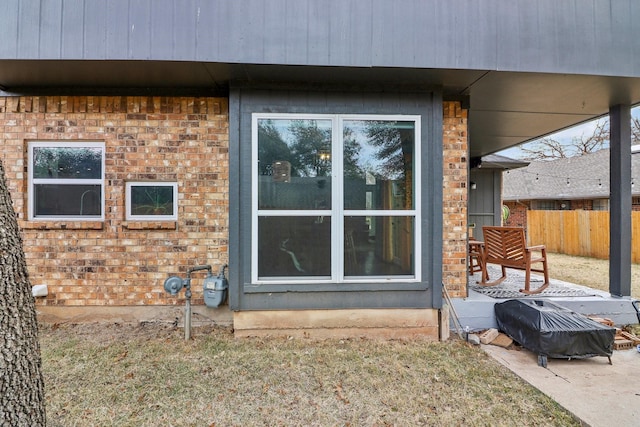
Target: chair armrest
{"points": [[536, 248]]}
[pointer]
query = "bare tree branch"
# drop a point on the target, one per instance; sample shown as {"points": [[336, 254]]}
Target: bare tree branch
{"points": [[544, 149], [635, 130], [598, 140], [551, 149]]}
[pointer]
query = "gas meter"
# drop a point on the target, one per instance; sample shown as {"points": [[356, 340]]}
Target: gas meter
{"points": [[215, 289]]}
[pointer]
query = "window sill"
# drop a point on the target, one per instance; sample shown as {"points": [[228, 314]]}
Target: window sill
{"points": [[335, 287], [149, 225], [61, 225]]}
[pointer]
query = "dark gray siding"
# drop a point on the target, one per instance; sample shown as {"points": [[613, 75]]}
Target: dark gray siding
{"points": [[246, 296], [598, 37], [484, 206]]}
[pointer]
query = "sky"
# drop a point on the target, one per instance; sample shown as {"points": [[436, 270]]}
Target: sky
{"points": [[564, 136]]}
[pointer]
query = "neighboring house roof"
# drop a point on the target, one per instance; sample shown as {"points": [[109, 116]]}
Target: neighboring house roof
{"points": [[580, 177]]}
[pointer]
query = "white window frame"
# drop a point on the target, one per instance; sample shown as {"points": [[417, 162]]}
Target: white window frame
{"points": [[131, 217], [32, 182], [337, 212]]}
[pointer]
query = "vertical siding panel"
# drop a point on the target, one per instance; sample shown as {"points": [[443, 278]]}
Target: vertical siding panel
{"points": [[275, 32], [162, 28], [583, 25], [251, 47], [210, 21], [95, 31], [139, 29], [340, 34], [479, 35], [50, 29], [184, 26], [635, 17], [318, 20], [117, 34], [621, 48], [296, 37], [585, 36], [9, 45], [360, 26], [383, 24], [72, 29], [28, 36]]}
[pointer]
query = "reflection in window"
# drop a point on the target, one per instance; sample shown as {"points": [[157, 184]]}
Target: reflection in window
{"points": [[66, 180], [294, 246], [367, 195], [294, 164], [152, 200], [378, 163], [378, 246]]}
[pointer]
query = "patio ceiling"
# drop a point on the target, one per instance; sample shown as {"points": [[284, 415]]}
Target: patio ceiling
{"points": [[506, 108]]}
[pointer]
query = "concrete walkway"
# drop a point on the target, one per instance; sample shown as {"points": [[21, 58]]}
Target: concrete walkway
{"points": [[597, 393]]}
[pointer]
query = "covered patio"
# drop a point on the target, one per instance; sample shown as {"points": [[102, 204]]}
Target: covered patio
{"points": [[477, 310]]}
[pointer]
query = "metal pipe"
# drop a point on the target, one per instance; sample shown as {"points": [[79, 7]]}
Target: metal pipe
{"points": [[187, 317], [187, 305]]}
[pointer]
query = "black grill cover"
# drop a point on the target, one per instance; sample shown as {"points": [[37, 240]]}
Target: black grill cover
{"points": [[551, 330]]}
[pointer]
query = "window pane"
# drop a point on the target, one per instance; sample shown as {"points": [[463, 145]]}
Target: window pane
{"points": [[294, 164], [294, 246], [378, 246], [378, 164], [67, 200], [67, 162], [152, 200]]}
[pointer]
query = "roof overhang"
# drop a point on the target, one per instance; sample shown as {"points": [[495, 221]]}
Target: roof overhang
{"points": [[505, 108]]}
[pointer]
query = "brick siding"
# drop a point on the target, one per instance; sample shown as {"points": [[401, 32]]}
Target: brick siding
{"points": [[116, 262], [183, 139], [454, 203], [517, 214]]}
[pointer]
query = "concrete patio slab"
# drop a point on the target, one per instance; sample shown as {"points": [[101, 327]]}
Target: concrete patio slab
{"points": [[476, 311], [597, 393]]}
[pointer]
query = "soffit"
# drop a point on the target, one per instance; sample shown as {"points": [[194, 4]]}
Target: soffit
{"points": [[506, 108]]}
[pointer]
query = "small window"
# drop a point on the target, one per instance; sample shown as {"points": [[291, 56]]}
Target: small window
{"points": [[601, 205], [66, 180], [152, 201], [544, 205]]}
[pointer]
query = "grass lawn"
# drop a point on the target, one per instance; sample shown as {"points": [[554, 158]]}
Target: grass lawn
{"points": [[148, 375], [590, 272]]}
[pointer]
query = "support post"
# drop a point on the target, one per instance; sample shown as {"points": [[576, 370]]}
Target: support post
{"points": [[620, 201]]}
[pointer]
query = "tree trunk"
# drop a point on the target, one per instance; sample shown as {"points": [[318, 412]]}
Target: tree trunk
{"points": [[21, 383]]}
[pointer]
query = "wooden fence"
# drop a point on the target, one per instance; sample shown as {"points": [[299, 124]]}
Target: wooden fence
{"points": [[583, 233]]}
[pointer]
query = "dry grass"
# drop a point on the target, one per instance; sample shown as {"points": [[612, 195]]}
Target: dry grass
{"points": [[147, 375], [590, 272]]}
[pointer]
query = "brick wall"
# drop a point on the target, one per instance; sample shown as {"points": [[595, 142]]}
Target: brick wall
{"points": [[454, 208], [123, 263], [517, 214], [115, 262]]}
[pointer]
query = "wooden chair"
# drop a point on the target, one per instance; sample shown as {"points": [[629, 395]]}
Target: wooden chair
{"points": [[476, 258], [506, 246]]}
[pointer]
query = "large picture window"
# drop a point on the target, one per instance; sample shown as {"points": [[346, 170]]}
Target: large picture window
{"points": [[335, 198], [66, 180]]}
